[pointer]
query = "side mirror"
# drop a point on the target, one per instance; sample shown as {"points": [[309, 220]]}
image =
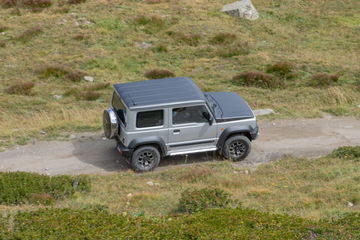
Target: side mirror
{"points": [[208, 117]]}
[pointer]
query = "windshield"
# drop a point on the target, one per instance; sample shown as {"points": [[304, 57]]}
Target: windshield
{"points": [[119, 107], [213, 105]]}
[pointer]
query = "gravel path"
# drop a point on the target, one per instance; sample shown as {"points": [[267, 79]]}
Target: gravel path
{"points": [[90, 153]]}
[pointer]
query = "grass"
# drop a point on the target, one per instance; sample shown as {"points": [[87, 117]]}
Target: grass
{"points": [[188, 39], [309, 188], [294, 198]]}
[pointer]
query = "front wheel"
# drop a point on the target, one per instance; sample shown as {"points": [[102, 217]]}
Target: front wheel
{"points": [[237, 148], [145, 159]]}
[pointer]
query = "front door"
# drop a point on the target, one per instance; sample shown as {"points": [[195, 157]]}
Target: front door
{"points": [[189, 130]]}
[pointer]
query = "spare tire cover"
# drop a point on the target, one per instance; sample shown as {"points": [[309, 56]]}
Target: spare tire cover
{"points": [[110, 124]]}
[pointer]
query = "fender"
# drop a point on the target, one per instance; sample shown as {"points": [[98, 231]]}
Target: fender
{"points": [[236, 129], [149, 140]]}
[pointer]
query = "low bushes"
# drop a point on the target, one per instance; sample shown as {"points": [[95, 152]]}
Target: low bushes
{"points": [[282, 69], [223, 38], [29, 34], [60, 71], [346, 152], [23, 88], [206, 198], [212, 224], [324, 80], [22, 187], [89, 95], [26, 3], [76, 1], [258, 79], [158, 73]]}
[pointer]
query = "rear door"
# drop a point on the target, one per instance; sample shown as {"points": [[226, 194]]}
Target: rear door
{"points": [[189, 130]]}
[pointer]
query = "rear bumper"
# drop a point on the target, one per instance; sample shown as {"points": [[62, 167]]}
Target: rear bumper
{"points": [[124, 151]]}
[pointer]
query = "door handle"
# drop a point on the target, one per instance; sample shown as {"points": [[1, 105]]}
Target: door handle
{"points": [[176, 131]]}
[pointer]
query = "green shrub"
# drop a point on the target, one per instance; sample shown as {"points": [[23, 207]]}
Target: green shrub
{"points": [[282, 69], [258, 79], [158, 73], [346, 152], [324, 80], [234, 49], [206, 198], [223, 38], [22, 88], [22, 187], [212, 224], [161, 48]]}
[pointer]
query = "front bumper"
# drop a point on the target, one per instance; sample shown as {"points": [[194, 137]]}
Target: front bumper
{"points": [[124, 151], [254, 133]]}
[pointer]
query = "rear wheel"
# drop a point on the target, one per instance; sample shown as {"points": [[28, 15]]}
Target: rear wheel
{"points": [[145, 159], [237, 148]]}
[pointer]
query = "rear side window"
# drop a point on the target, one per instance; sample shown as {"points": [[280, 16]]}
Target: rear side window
{"points": [[189, 115], [150, 119]]}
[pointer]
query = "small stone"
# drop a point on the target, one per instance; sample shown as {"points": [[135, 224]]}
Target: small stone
{"points": [[2, 33], [46, 169], [273, 124], [58, 97], [260, 112], [104, 138], [144, 45], [350, 204], [246, 171], [129, 195], [42, 133], [358, 106], [89, 78], [150, 183]]}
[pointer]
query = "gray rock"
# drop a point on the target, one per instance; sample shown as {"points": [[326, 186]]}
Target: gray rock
{"points": [[350, 204], [358, 106], [89, 78], [58, 97], [260, 112], [244, 9]]}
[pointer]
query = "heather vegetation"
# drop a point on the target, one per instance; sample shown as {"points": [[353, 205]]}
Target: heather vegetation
{"points": [[299, 58]]}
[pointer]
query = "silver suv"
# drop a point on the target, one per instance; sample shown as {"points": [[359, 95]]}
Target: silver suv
{"points": [[166, 117]]}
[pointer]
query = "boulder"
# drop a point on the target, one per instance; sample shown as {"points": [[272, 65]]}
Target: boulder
{"points": [[244, 9]]}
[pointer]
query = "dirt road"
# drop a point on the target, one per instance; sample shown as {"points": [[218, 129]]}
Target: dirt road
{"points": [[90, 153]]}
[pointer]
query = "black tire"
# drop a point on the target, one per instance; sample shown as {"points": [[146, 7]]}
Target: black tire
{"points": [[237, 148], [145, 159]]}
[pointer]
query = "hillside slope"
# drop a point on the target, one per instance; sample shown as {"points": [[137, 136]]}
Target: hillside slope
{"points": [[55, 46]]}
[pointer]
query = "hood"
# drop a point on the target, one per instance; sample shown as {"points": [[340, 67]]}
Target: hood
{"points": [[228, 106]]}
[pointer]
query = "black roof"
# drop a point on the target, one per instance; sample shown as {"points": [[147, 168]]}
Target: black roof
{"points": [[165, 91]]}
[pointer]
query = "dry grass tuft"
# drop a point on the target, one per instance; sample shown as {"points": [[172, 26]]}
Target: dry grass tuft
{"points": [[75, 75], [191, 39], [22, 88], [258, 79], [234, 49], [42, 198], [158, 73], [26, 3], [223, 38], [3, 28], [80, 37], [197, 174], [89, 95], [2, 44], [97, 86], [161, 48], [155, 1], [29, 34], [324, 80]]}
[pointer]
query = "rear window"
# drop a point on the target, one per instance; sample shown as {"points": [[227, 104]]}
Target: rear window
{"points": [[119, 107], [150, 119]]}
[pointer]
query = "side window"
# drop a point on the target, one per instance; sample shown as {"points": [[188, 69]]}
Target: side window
{"points": [[150, 119], [189, 115]]}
